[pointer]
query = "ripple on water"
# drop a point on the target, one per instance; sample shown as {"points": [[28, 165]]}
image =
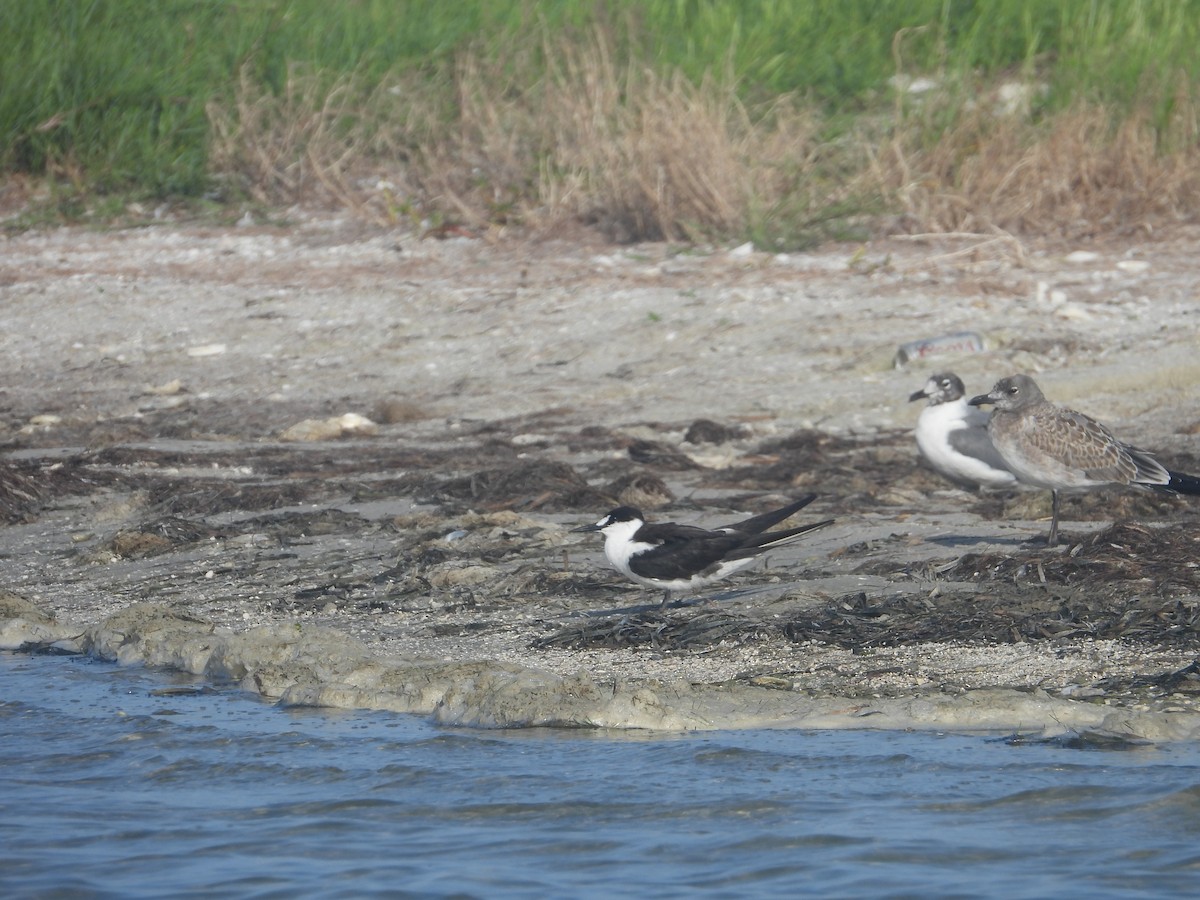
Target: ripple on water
{"points": [[109, 790]]}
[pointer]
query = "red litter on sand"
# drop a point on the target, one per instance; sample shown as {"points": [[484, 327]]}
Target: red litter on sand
{"points": [[959, 342]]}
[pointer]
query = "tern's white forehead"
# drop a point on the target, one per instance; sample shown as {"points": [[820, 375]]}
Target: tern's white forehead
{"points": [[619, 529]]}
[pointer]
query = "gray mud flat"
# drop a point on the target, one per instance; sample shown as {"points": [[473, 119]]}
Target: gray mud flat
{"points": [[340, 467]]}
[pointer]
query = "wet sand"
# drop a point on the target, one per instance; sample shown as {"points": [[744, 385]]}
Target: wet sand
{"points": [[187, 480]]}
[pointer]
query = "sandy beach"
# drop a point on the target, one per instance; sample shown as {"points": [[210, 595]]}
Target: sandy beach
{"points": [[339, 465]]}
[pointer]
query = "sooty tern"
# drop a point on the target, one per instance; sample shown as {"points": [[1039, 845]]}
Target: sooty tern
{"points": [[675, 558]]}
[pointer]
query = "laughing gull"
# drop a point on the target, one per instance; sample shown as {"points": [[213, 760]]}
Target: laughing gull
{"points": [[1053, 447], [953, 437], [674, 557]]}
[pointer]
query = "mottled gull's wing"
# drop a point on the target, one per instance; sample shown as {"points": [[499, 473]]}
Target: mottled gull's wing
{"points": [[1081, 443]]}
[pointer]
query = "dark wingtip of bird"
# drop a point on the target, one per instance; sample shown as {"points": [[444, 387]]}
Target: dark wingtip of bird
{"points": [[811, 526], [1182, 483]]}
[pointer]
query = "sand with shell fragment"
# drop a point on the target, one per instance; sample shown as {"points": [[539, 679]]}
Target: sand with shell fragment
{"points": [[339, 465]]}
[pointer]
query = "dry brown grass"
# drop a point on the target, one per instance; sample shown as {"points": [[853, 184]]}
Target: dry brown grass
{"points": [[643, 155], [313, 142], [647, 155], [651, 155], [1079, 173]]}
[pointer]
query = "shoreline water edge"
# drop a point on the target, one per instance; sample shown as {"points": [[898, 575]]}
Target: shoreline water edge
{"points": [[300, 665]]}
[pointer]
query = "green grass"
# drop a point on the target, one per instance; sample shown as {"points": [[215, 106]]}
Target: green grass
{"points": [[110, 96], [115, 90]]}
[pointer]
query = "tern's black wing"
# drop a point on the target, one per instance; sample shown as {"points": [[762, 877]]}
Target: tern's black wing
{"points": [[754, 544], [762, 522], [673, 533], [682, 550]]}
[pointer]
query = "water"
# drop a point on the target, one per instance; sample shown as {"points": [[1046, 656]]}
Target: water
{"points": [[113, 785]]}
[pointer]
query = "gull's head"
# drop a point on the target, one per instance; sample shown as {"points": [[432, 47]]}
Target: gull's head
{"points": [[1011, 394], [945, 387]]}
